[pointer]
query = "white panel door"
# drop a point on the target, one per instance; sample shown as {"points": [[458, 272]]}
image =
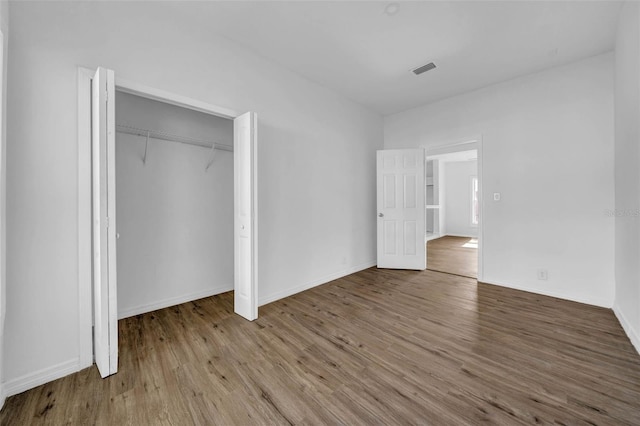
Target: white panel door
{"points": [[245, 299], [104, 222], [401, 209]]}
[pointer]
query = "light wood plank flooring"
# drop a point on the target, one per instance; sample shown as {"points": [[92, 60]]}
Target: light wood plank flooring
{"points": [[376, 347], [453, 255]]}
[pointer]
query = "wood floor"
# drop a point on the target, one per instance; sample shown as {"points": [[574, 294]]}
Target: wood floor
{"points": [[376, 347], [453, 255]]}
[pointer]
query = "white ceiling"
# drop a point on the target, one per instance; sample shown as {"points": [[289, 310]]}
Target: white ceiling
{"points": [[358, 50]]}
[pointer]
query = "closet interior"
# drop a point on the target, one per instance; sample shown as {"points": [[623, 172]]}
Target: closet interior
{"points": [[174, 204]]}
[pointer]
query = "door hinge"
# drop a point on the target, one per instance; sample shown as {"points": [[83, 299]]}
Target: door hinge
{"points": [[106, 221]]}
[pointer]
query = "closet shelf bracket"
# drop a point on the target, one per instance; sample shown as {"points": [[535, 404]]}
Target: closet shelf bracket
{"points": [[146, 146], [212, 156]]}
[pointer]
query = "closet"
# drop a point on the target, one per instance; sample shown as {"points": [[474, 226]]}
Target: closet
{"points": [[174, 204]]}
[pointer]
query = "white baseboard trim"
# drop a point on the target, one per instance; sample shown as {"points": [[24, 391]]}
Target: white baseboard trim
{"points": [[314, 283], [559, 295], [449, 234], [172, 301], [627, 327], [40, 377]]}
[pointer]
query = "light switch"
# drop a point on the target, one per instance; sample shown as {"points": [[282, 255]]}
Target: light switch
{"points": [[496, 196]]}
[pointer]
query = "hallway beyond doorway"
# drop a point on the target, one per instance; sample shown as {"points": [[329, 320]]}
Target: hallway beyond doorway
{"points": [[453, 255]]}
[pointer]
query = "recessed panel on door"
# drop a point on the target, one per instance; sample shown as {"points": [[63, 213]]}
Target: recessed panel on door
{"points": [[389, 191], [390, 237], [389, 162], [410, 243], [410, 161], [410, 191]]}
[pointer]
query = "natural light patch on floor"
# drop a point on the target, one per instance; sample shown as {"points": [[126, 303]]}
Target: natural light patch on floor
{"points": [[472, 243]]}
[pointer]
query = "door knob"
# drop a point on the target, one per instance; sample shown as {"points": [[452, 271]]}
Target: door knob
{"points": [[380, 215]]}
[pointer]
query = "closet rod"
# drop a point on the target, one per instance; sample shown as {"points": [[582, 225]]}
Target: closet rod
{"points": [[172, 137]]}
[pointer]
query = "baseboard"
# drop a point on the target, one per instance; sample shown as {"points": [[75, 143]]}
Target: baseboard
{"points": [[449, 234], [627, 327], [558, 295], [290, 292], [40, 377], [165, 303]]}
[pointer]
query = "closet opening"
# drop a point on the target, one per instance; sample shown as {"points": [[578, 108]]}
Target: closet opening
{"points": [[167, 193], [174, 204]]}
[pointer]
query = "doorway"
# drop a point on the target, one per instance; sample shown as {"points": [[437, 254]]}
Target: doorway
{"points": [[453, 211], [97, 302], [174, 204]]}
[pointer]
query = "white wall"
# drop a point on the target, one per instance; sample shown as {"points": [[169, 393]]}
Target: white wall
{"points": [[457, 187], [174, 217], [627, 176], [4, 27], [548, 149], [316, 160]]}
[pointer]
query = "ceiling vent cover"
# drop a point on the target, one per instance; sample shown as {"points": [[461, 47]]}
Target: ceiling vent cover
{"points": [[424, 68]]}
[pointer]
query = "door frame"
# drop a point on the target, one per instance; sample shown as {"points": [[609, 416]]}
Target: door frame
{"points": [[456, 146], [85, 258], [3, 203]]}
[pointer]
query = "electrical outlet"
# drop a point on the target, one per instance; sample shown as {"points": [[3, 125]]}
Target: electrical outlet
{"points": [[543, 274], [496, 196]]}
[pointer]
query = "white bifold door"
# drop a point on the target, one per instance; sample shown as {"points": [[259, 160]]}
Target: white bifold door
{"points": [[401, 209], [246, 228], [104, 220], [103, 153]]}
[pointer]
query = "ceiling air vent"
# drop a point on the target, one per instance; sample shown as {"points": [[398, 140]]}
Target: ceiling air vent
{"points": [[424, 68]]}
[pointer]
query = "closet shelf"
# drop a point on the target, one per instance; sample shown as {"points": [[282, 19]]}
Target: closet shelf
{"points": [[172, 137]]}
